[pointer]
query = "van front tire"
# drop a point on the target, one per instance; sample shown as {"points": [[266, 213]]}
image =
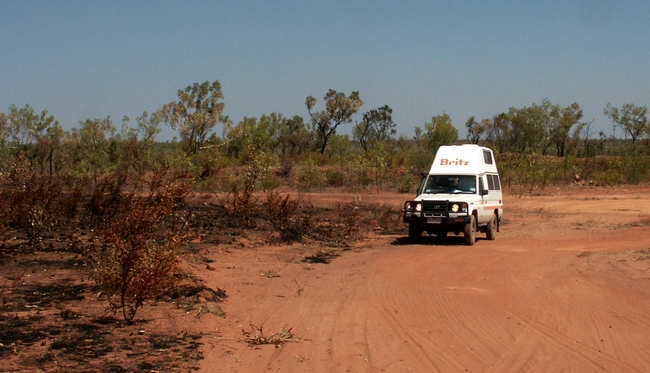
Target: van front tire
{"points": [[491, 229], [414, 232], [470, 231]]}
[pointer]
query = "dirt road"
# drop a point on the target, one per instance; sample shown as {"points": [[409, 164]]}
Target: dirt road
{"points": [[564, 287]]}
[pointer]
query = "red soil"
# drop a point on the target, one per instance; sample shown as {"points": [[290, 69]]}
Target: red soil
{"points": [[564, 287]]}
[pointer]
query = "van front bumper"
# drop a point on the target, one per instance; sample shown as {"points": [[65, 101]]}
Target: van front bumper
{"points": [[431, 220]]}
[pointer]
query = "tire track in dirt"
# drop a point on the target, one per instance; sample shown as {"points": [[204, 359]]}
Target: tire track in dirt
{"points": [[432, 316], [554, 321], [572, 313], [497, 306], [568, 318], [542, 297]]}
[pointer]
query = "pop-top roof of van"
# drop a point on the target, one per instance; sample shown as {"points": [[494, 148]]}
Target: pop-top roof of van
{"points": [[467, 159]]}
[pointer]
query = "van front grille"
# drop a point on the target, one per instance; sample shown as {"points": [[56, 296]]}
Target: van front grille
{"points": [[434, 206]]}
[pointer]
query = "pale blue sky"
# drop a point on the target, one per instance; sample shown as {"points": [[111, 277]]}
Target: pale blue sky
{"points": [[91, 59]]}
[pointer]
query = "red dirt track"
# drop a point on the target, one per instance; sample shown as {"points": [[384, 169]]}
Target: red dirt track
{"points": [[564, 288]]}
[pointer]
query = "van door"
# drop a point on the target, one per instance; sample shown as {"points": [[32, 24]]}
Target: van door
{"points": [[493, 200], [483, 215]]}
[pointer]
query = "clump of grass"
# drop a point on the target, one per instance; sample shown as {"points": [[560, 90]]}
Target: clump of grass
{"points": [[256, 337]]}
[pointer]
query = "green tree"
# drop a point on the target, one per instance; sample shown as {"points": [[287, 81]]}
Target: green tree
{"points": [[475, 130], [262, 134], [440, 131], [631, 119], [136, 145], [518, 130], [339, 109], [240, 137], [534, 129], [94, 148], [38, 135], [341, 148], [23, 126], [293, 136], [48, 150], [527, 128], [561, 121], [195, 114], [377, 126]]}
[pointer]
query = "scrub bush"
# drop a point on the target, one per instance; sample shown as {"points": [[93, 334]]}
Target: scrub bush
{"points": [[136, 255]]}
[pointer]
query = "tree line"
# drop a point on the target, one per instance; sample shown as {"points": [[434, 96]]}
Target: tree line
{"points": [[373, 154]]}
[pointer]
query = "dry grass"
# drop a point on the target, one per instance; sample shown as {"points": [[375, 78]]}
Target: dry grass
{"points": [[256, 337]]}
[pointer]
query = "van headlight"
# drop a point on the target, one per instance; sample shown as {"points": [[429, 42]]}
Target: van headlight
{"points": [[412, 206], [458, 207]]}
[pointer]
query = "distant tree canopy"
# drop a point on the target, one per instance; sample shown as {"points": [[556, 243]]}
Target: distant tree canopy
{"points": [[376, 127], [631, 119], [272, 133], [39, 136], [532, 130], [440, 131], [195, 114], [339, 109], [25, 126]]}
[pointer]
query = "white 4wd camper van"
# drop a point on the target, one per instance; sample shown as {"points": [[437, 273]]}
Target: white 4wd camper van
{"points": [[461, 193]]}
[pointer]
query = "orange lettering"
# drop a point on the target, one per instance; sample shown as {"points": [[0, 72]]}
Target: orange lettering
{"points": [[456, 162]]}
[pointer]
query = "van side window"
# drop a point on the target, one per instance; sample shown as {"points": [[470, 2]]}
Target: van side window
{"points": [[487, 156], [490, 180], [493, 182]]}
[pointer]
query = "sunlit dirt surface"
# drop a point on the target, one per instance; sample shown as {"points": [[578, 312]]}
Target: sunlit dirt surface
{"points": [[564, 288]]}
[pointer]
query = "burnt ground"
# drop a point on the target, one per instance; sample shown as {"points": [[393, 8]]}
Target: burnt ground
{"points": [[54, 318]]}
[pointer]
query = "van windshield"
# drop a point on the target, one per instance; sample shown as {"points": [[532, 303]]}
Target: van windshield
{"points": [[452, 184]]}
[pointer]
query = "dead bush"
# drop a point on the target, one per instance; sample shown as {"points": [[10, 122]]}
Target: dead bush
{"points": [[349, 218], [385, 217], [31, 201], [284, 171], [279, 209], [137, 255], [256, 337], [105, 198], [285, 216], [242, 207]]}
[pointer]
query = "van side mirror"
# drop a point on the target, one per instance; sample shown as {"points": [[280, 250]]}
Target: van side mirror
{"points": [[424, 175], [484, 192]]}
